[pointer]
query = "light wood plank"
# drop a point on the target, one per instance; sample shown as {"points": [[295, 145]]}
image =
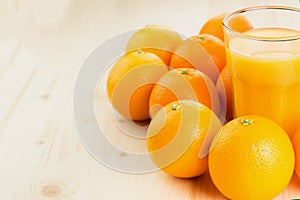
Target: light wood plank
{"points": [[9, 48], [12, 86], [23, 144]]}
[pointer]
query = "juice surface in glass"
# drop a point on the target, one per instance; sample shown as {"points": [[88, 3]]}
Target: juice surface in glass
{"points": [[266, 76]]}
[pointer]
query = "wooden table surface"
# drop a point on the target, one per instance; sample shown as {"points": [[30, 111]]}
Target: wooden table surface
{"points": [[43, 44]]}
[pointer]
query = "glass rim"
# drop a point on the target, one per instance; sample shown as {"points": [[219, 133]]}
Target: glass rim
{"points": [[254, 8]]}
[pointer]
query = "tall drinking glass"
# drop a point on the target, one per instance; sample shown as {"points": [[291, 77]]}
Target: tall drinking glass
{"points": [[265, 63]]}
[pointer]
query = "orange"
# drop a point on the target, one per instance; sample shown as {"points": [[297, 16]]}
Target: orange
{"points": [[177, 134], [183, 83], [251, 158], [156, 39], [214, 25], [296, 145], [130, 83], [224, 88], [204, 52]]}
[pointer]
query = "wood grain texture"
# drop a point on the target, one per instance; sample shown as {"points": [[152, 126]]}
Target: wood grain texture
{"points": [[42, 46]]}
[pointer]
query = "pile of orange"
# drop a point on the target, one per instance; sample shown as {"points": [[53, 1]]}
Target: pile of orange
{"points": [[184, 89]]}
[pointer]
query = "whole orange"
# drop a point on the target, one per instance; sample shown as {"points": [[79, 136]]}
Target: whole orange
{"points": [[203, 52], [184, 84], [296, 145], [130, 82], [251, 158], [224, 88], [177, 134], [214, 25], [156, 39]]}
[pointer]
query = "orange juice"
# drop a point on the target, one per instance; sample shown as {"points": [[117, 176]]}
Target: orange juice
{"points": [[266, 75]]}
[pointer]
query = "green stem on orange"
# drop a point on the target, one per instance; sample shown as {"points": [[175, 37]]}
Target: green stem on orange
{"points": [[246, 122], [184, 71], [201, 38], [175, 106]]}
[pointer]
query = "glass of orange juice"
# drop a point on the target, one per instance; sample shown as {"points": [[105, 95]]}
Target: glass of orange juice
{"points": [[263, 54]]}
